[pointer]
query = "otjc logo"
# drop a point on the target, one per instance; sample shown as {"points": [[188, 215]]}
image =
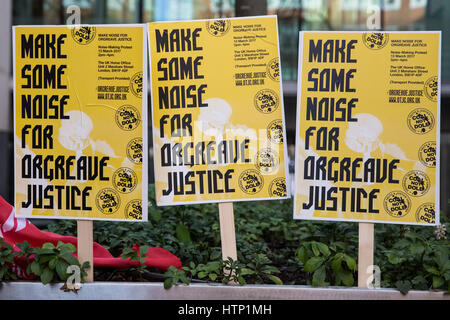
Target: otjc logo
{"points": [[426, 213], [416, 183], [275, 131], [266, 101], [431, 88], [266, 161], [277, 187], [397, 204], [420, 121], [273, 69], [218, 28], [127, 118], [136, 84], [124, 180], [427, 154], [134, 150], [107, 201], [375, 40], [133, 210], [83, 34], [251, 181]]}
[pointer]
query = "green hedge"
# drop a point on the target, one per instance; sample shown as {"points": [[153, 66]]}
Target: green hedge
{"points": [[274, 248]]}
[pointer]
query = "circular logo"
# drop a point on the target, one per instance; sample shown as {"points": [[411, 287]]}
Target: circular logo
{"points": [[133, 210], [124, 180], [277, 188], [107, 200], [127, 118], [375, 40], [426, 213], [251, 181], [83, 35], [431, 88], [427, 154], [266, 160], [420, 121], [275, 131], [136, 84], [273, 69], [416, 183], [266, 101], [397, 204], [218, 28], [134, 150]]}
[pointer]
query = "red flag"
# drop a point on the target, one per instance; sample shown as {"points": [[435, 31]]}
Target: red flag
{"points": [[16, 230]]}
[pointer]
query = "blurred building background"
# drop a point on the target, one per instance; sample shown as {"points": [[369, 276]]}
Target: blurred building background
{"points": [[293, 16]]}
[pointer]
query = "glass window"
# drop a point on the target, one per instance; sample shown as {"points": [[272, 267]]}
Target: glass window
{"points": [[30, 12], [394, 15]]}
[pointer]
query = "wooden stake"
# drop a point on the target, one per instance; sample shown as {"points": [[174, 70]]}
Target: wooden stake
{"points": [[85, 234], [365, 252], [227, 232]]}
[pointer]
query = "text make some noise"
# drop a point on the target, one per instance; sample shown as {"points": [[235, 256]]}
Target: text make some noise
{"points": [[179, 69]]}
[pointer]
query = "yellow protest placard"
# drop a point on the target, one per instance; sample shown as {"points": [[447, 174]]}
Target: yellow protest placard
{"points": [[367, 142], [80, 122], [218, 118]]}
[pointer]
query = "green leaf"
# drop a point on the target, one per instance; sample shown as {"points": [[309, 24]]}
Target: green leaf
{"points": [[46, 251], [270, 269], [86, 265], [336, 262], [346, 277], [213, 276], [155, 214], [184, 278], [68, 247], [318, 278], [438, 282], [241, 280], [416, 249], [275, 279], [394, 258], [431, 269], [351, 263], [202, 274], [70, 259], [52, 263], [441, 258], [403, 285], [247, 271], [302, 254], [313, 264], [47, 276], [168, 283], [143, 250], [315, 248], [61, 270], [48, 245], [213, 266], [420, 282], [46, 258], [183, 234], [323, 248], [36, 268]]}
